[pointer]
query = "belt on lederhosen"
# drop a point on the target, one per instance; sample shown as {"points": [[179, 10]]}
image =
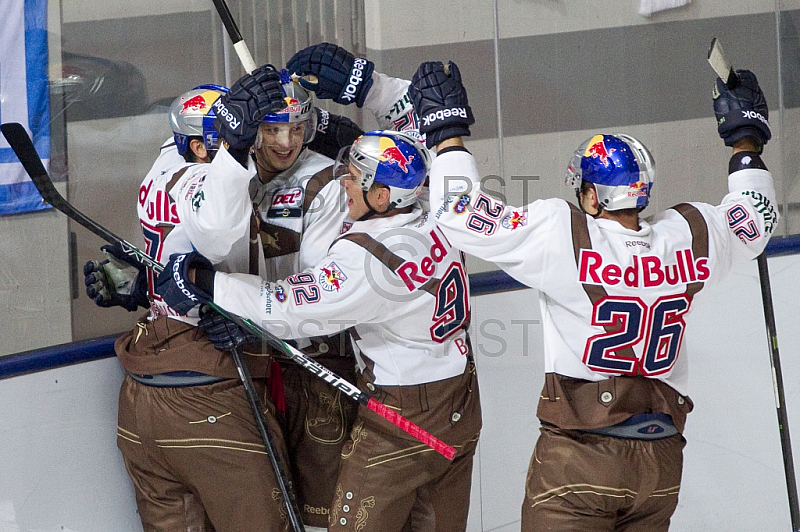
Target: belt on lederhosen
{"points": [[176, 379]]}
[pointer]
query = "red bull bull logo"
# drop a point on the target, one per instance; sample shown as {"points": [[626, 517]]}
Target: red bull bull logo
{"points": [[331, 277], [390, 153], [637, 189], [515, 220], [597, 149], [199, 102], [292, 106]]}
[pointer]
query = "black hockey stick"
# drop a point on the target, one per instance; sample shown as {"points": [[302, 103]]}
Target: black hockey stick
{"points": [[723, 68], [22, 145], [236, 37], [20, 142]]}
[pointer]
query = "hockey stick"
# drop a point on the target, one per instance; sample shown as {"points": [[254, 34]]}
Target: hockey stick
{"points": [[21, 143], [723, 68], [284, 483], [236, 37]]}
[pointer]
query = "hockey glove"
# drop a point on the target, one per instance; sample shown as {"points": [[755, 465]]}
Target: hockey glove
{"points": [[341, 76], [173, 283], [441, 102], [742, 111], [241, 110], [222, 332], [334, 132], [116, 283]]}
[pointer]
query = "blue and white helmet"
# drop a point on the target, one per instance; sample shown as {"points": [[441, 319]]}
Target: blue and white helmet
{"points": [[192, 115], [620, 167], [299, 107], [392, 158]]}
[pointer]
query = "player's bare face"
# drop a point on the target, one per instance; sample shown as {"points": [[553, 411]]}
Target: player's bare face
{"points": [[356, 205], [279, 146]]}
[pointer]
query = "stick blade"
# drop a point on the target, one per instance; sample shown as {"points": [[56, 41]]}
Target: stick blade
{"points": [[719, 62]]}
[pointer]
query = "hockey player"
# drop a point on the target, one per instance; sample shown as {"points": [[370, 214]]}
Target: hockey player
{"points": [[401, 291], [301, 211], [614, 292], [185, 427]]}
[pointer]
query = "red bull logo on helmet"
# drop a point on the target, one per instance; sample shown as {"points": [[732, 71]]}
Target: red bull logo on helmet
{"points": [[637, 189], [597, 149], [292, 106], [390, 153], [198, 103]]}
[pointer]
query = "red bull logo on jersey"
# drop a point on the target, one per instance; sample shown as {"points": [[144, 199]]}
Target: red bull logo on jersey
{"points": [[515, 220], [331, 277], [390, 153], [597, 149], [645, 271]]}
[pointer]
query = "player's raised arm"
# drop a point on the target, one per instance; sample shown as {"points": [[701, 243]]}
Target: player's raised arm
{"points": [[472, 219]]}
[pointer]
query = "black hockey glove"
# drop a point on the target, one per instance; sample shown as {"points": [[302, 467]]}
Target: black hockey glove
{"points": [[334, 132], [222, 332], [174, 287], [341, 76], [742, 111], [116, 283], [241, 110], [441, 102]]}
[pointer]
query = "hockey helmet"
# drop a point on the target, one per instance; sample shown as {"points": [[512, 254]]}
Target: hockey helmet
{"points": [[299, 107], [620, 167], [192, 115], [392, 158]]}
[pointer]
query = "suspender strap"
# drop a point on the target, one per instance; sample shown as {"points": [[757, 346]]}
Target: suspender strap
{"points": [[699, 229], [387, 257], [314, 185], [581, 240], [253, 248]]}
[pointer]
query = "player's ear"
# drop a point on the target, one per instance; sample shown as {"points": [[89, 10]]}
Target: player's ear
{"points": [[198, 148], [383, 195], [588, 199]]}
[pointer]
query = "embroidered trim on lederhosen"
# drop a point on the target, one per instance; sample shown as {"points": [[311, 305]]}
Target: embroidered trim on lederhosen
{"points": [[276, 240]]}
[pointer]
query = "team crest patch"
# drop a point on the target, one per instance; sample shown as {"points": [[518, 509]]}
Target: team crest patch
{"points": [[461, 205], [345, 227], [515, 220], [331, 277]]}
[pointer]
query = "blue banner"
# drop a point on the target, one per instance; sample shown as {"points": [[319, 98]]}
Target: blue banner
{"points": [[24, 97]]}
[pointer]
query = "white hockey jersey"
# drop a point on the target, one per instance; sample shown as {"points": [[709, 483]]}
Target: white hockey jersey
{"points": [[395, 282], [176, 216], [613, 300]]}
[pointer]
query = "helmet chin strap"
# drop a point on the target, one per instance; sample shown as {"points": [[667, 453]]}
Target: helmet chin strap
{"points": [[372, 211]]}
